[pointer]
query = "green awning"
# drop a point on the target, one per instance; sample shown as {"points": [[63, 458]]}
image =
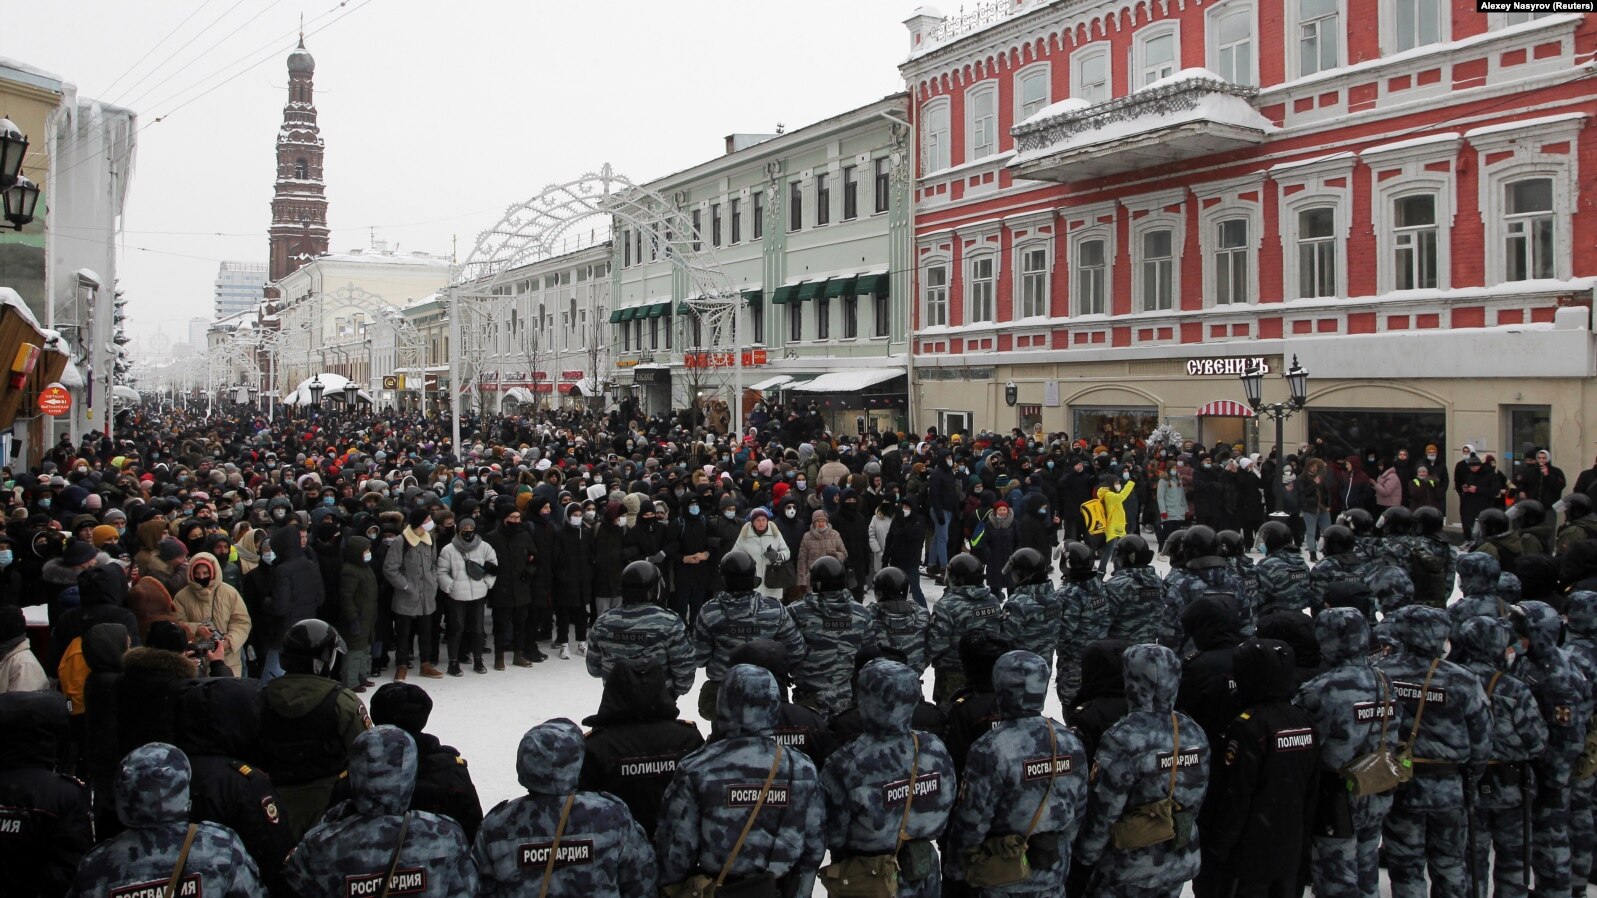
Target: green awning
{"points": [[752, 297], [659, 309], [809, 290], [868, 284], [628, 313], [839, 287], [684, 309], [617, 315], [784, 295]]}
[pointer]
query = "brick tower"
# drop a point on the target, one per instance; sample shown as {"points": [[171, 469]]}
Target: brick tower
{"points": [[299, 202]]}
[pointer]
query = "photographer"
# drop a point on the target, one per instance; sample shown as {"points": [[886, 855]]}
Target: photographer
{"points": [[213, 610]]}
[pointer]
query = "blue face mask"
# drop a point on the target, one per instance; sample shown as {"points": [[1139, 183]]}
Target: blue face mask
{"points": [[6, 557], [1050, 466], [268, 557], [693, 510], [45, 502], [327, 500]]}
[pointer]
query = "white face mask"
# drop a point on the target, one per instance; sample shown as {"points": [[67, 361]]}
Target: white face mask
{"points": [[791, 512], [575, 520], [427, 526], [366, 558]]}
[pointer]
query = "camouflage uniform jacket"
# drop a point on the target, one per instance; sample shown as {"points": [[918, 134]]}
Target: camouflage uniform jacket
{"points": [[866, 782], [1007, 777], [1284, 582], [902, 625], [1519, 734], [1136, 600], [1478, 574], [1248, 572], [1033, 614], [152, 800], [1209, 576], [642, 630], [834, 628], [961, 611], [1349, 566], [1084, 617], [602, 853], [353, 844], [1562, 693], [1176, 582], [731, 619], [1345, 701]]}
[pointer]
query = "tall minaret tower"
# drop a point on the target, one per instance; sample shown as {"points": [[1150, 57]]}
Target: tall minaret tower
{"points": [[299, 202]]}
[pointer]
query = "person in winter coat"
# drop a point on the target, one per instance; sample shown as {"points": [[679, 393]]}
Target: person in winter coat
{"points": [[764, 544], [1354, 488], [1388, 487], [357, 611], [1101, 700], [1423, 490], [573, 583], [217, 725], [355, 843], [881, 523], [835, 628], [297, 592], [819, 541], [1173, 510], [411, 567], [1250, 499], [20, 670], [1541, 480], [467, 569], [539, 520], [443, 779], [854, 527], [690, 558], [994, 543], [152, 678], [210, 609], [906, 539], [103, 647], [150, 602], [609, 559], [1037, 526], [50, 809], [511, 596], [1206, 692], [102, 597], [700, 820], [635, 740], [891, 786], [152, 801]]}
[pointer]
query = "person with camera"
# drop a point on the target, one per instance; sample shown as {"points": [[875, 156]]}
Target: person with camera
{"points": [[213, 611]]}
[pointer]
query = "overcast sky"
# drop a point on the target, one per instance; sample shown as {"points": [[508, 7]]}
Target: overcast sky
{"points": [[436, 116]]}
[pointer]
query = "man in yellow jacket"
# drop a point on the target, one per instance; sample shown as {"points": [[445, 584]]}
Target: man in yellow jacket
{"points": [[1114, 503]]}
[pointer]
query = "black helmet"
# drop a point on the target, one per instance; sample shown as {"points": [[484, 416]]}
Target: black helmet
{"points": [[1337, 539], [1275, 535], [890, 585], [1078, 558], [313, 647], [827, 574], [1201, 542], [965, 569], [1576, 506], [1529, 513], [1132, 551], [1428, 520], [1361, 522], [739, 572], [1026, 567], [640, 582], [1397, 521], [1231, 544], [1175, 547], [1490, 522]]}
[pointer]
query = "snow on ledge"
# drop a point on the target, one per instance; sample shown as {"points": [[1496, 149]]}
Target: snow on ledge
{"points": [[1181, 77], [1224, 109], [1063, 107], [1411, 143], [1525, 124], [10, 297]]}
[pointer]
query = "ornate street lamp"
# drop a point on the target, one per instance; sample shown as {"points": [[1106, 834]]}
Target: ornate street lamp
{"points": [[316, 389], [13, 146], [1297, 380], [21, 201], [351, 393]]}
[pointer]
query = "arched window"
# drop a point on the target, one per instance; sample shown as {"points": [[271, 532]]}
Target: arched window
{"points": [[301, 170]]}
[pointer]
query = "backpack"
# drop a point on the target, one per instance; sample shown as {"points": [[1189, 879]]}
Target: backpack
{"points": [[1096, 516]]}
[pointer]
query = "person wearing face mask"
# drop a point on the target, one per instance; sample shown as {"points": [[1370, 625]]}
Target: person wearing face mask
{"points": [[210, 609], [906, 537], [724, 528], [690, 556], [763, 543], [854, 529], [411, 567], [357, 611], [791, 523], [818, 542], [467, 569], [573, 592]]}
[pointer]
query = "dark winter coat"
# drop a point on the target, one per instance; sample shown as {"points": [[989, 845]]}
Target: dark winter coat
{"points": [[357, 595], [855, 530], [906, 540], [609, 559], [53, 809], [636, 740], [690, 535], [512, 546], [297, 586], [1035, 526], [1207, 692], [147, 695]]}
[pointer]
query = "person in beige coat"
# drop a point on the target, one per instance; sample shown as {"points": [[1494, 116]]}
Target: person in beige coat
{"points": [[209, 606], [20, 671], [819, 541]]}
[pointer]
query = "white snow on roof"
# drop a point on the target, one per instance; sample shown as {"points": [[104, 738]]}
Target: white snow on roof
{"points": [[770, 382], [89, 274], [1070, 104], [35, 72], [1444, 137], [385, 259], [848, 381], [1181, 77], [1524, 124], [71, 377], [1220, 108], [10, 297]]}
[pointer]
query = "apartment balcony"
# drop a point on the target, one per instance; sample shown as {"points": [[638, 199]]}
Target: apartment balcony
{"points": [[1191, 114]]}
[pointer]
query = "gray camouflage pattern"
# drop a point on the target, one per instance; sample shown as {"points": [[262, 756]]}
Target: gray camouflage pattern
{"points": [[643, 630], [961, 611], [1033, 619], [1084, 618], [834, 628], [731, 620], [902, 626], [1284, 582], [1136, 601]]}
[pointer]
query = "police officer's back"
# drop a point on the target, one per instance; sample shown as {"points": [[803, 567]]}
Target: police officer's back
{"points": [[1102, 700], [867, 782], [834, 628], [636, 740], [585, 842], [353, 848], [1084, 617], [443, 778], [1135, 594], [898, 622], [733, 618], [152, 801], [46, 824], [797, 727], [973, 710], [641, 627], [1208, 685], [1283, 574], [1032, 609], [966, 607], [1342, 562], [1478, 574], [850, 723]]}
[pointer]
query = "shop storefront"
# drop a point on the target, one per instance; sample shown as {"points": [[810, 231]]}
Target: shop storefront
{"points": [[855, 401], [1224, 422], [651, 388]]}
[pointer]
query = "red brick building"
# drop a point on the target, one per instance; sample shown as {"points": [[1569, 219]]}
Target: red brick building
{"points": [[1117, 202]]}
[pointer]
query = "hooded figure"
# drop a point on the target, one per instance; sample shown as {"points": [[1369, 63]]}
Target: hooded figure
{"points": [[209, 608], [1478, 576], [636, 740], [1296, 629], [1261, 809], [357, 610], [601, 851], [1207, 691], [797, 727], [297, 589], [1132, 768], [51, 809], [355, 841], [1101, 701], [1427, 824], [152, 800], [102, 597], [716, 789], [867, 782], [1027, 760], [217, 724]]}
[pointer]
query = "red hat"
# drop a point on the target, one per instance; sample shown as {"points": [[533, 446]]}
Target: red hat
{"points": [[1000, 504]]}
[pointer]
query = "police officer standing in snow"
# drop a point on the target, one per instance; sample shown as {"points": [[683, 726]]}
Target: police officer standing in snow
{"points": [[966, 607], [636, 740], [739, 615], [47, 824], [1283, 574], [1135, 594], [642, 628], [1032, 609], [835, 628]]}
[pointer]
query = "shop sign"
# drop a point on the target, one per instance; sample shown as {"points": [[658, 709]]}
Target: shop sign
{"points": [[55, 401], [540, 375], [955, 373], [1233, 367], [648, 377], [751, 358], [626, 363], [572, 375]]}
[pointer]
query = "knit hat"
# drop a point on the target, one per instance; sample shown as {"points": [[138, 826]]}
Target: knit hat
{"points": [[103, 534], [12, 623], [79, 552], [404, 705], [115, 514], [417, 518], [759, 511]]}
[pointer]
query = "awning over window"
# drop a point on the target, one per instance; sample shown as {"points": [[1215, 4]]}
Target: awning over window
{"points": [[617, 315], [848, 381], [518, 394], [1225, 408], [771, 382], [752, 297], [683, 308], [839, 287], [658, 310], [809, 290], [870, 284], [784, 295]]}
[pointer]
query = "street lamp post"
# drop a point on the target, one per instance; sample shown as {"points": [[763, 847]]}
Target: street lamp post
{"points": [[1297, 381], [351, 393], [316, 389]]}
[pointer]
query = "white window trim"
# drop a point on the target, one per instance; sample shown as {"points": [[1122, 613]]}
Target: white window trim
{"points": [[978, 90], [1044, 69], [940, 105], [1208, 222], [1211, 28], [947, 264], [1080, 57], [1294, 49], [1444, 27], [1289, 208], [1499, 20], [1410, 161], [1178, 240], [1106, 233], [1492, 206], [969, 283], [1139, 43], [1045, 244]]}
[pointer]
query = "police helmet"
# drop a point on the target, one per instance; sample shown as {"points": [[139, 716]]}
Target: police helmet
{"points": [[1490, 522], [1201, 542], [1275, 535], [965, 569], [890, 585], [1231, 544], [640, 582], [1175, 547], [1576, 506], [1132, 551], [1026, 566], [313, 647], [1530, 513], [1078, 558], [1337, 539], [739, 572], [1428, 520], [827, 574], [1361, 522], [1397, 521]]}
